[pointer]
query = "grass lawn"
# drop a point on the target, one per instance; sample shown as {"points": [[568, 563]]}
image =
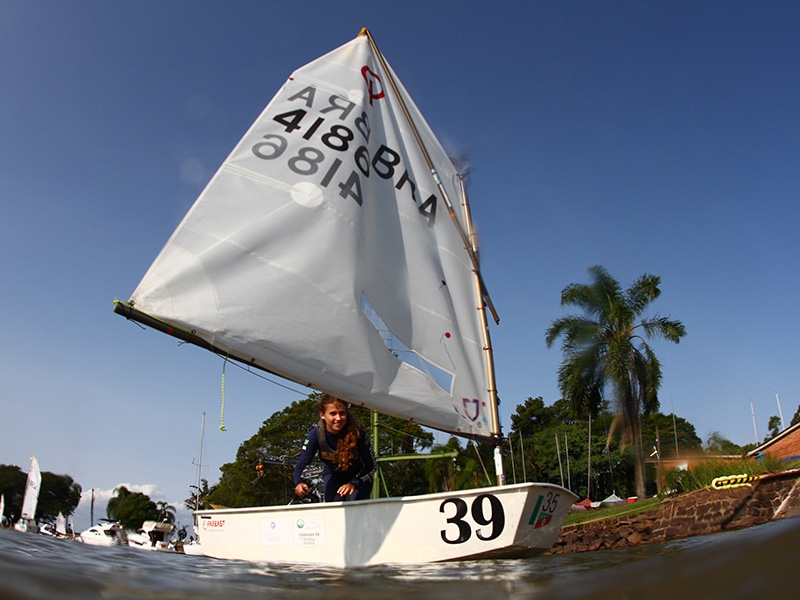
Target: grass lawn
{"points": [[620, 510]]}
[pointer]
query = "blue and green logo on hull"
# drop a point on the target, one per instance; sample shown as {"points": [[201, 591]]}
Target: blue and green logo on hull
{"points": [[541, 517]]}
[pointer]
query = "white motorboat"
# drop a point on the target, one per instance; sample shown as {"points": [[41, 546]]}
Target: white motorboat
{"points": [[152, 535], [105, 533], [192, 548]]}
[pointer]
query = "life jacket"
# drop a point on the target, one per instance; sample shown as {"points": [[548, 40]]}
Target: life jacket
{"points": [[325, 450]]}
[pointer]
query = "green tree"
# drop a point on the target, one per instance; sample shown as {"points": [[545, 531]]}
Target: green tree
{"points": [[531, 416], [262, 474], [441, 474], [57, 494], [398, 437], [199, 498], [12, 486], [796, 417], [774, 426], [717, 444], [166, 512], [606, 354], [131, 509], [657, 426], [551, 444], [468, 470]]}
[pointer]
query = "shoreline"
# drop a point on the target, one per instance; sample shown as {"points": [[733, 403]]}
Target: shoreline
{"points": [[701, 512]]}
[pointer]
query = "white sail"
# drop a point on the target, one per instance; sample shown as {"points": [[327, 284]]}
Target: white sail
{"points": [[2, 508], [31, 498], [322, 251], [61, 525]]}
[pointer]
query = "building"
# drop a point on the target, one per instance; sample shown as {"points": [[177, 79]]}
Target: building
{"points": [[784, 446]]}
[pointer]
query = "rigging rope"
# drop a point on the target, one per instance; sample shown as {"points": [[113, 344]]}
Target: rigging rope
{"points": [[222, 408]]}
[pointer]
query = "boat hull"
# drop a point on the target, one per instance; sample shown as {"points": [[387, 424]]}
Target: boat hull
{"points": [[152, 536], [498, 522], [107, 535]]}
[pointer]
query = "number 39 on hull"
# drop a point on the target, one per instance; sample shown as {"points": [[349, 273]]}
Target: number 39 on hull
{"points": [[512, 521]]}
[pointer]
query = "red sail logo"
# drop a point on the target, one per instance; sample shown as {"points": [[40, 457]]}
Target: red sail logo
{"points": [[374, 84]]}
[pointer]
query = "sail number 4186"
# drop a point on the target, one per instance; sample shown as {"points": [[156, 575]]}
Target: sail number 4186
{"points": [[486, 510]]}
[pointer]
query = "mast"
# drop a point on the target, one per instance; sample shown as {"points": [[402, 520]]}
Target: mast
{"points": [[780, 411], [200, 461], [487, 342], [675, 429], [589, 462], [468, 237]]}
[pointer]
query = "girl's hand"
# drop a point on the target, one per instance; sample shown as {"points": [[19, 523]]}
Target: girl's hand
{"points": [[346, 490]]}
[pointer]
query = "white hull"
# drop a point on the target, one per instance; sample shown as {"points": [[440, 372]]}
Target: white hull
{"points": [[142, 542], [152, 536], [193, 549], [498, 522], [26, 525], [105, 534]]}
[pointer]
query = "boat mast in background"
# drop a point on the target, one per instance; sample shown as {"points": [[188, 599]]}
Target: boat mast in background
{"points": [[780, 411], [199, 463]]}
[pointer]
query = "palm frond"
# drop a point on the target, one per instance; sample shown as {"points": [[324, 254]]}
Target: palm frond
{"points": [[642, 292], [664, 327]]}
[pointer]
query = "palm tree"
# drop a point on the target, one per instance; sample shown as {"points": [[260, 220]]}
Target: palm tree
{"points": [[166, 512], [606, 355]]}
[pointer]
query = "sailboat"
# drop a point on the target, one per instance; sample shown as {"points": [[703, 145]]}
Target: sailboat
{"points": [[334, 248], [193, 547], [27, 520], [59, 530]]}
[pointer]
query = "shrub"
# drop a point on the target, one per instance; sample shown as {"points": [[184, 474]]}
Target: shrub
{"points": [[679, 481]]}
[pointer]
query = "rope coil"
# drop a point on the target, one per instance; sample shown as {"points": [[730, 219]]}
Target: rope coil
{"points": [[734, 481]]}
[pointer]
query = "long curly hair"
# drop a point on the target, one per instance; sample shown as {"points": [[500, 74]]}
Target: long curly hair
{"points": [[346, 450]]}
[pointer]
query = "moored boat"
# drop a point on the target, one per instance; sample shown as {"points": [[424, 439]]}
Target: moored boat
{"points": [[192, 548], [27, 520], [106, 533], [57, 531], [152, 535]]}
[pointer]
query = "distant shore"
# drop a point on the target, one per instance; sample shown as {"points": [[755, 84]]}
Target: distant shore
{"points": [[701, 512]]}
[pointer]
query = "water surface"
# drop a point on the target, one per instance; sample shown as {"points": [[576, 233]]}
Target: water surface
{"points": [[759, 562]]}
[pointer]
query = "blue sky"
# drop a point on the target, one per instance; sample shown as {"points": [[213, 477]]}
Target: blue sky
{"points": [[647, 137]]}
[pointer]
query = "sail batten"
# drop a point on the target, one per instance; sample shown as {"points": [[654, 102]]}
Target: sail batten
{"points": [[322, 251]]}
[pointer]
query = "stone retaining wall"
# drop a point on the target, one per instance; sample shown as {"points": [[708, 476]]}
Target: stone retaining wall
{"points": [[774, 496]]}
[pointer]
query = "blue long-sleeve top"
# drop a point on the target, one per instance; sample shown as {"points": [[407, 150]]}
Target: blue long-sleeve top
{"points": [[361, 469]]}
